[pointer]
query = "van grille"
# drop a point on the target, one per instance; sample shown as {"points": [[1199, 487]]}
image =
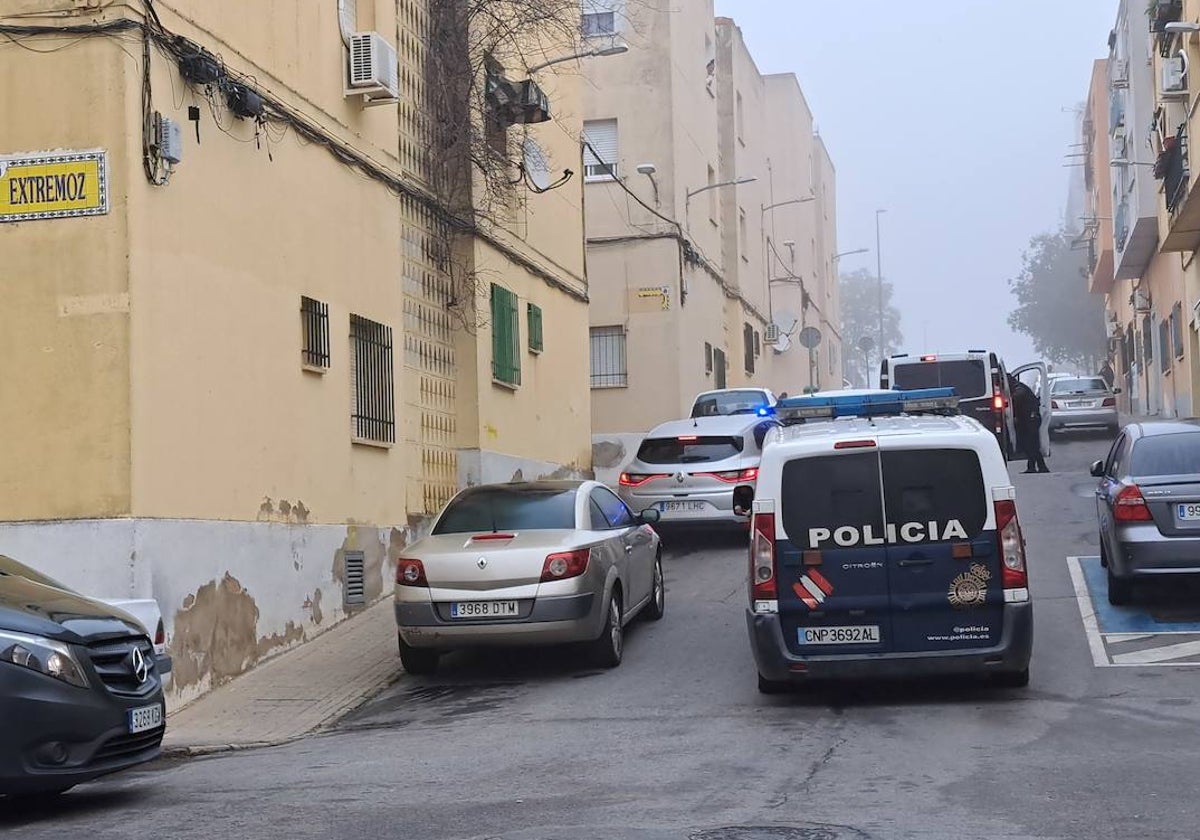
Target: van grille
{"points": [[127, 745], [113, 661]]}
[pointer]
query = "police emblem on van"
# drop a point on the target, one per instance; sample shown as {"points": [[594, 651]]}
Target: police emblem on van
{"points": [[909, 533], [970, 588]]}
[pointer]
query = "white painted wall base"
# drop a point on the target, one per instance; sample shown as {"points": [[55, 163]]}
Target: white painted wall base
{"points": [[231, 593]]}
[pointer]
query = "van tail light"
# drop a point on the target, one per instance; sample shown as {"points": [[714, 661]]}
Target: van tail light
{"points": [[998, 402], [1109, 402], [410, 572], [566, 564], [636, 479], [1130, 506], [762, 558], [160, 634], [1012, 547], [736, 476]]}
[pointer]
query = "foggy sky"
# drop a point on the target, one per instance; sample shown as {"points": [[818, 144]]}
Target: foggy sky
{"points": [[951, 116]]}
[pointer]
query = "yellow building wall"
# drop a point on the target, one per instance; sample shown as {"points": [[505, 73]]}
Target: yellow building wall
{"points": [[64, 322]]}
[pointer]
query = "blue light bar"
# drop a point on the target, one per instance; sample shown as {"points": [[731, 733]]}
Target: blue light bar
{"points": [[879, 404]]}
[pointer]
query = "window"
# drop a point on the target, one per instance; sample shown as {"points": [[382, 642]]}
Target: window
{"points": [[600, 164], [600, 18], [1164, 341], [1177, 330], [608, 357], [511, 508], [719, 367], [506, 337], [371, 381], [708, 358], [928, 485], [831, 491], [314, 324], [1078, 386], [616, 514], [757, 343], [713, 204], [748, 347], [701, 450], [1171, 454], [728, 403], [968, 377], [741, 120], [710, 67], [534, 314], [743, 235]]}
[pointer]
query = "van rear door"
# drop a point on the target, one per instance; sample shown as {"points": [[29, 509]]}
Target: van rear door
{"points": [[944, 565], [833, 588]]}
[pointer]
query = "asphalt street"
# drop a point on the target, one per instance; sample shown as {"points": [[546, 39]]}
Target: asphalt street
{"points": [[677, 744]]}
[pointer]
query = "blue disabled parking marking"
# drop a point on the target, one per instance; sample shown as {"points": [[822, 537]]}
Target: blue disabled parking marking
{"points": [[1130, 619]]}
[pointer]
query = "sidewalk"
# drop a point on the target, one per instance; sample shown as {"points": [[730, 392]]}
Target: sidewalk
{"points": [[295, 693]]}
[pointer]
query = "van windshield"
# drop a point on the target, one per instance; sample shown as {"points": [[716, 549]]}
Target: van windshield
{"points": [[968, 377]]}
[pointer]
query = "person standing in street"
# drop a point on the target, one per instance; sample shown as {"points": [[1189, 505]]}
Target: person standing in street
{"points": [[1027, 415], [1108, 374]]}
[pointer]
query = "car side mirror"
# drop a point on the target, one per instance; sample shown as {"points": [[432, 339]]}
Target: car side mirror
{"points": [[1098, 469], [649, 516], [1117, 390]]}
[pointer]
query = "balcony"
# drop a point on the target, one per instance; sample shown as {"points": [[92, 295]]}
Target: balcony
{"points": [[1183, 202], [1161, 13], [1135, 232]]}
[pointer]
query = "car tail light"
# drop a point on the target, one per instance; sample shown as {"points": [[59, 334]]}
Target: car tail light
{"points": [[736, 476], [762, 557], [1109, 402], [566, 564], [854, 444], [1054, 404], [1012, 546], [493, 537], [160, 634], [929, 358], [636, 479], [410, 572], [1130, 506]]}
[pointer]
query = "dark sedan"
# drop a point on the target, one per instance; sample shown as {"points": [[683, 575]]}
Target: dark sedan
{"points": [[80, 694], [1149, 505]]}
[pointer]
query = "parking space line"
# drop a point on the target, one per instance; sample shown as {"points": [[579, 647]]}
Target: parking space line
{"points": [[1158, 654], [1088, 613]]}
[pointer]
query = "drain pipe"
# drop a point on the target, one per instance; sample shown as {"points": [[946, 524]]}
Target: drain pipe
{"points": [[347, 18]]}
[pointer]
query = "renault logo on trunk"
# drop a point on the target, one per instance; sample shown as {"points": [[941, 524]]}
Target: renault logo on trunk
{"points": [[481, 562], [679, 477], [141, 668]]}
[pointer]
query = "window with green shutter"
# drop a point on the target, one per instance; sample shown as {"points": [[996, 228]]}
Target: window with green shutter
{"points": [[506, 337], [535, 328]]}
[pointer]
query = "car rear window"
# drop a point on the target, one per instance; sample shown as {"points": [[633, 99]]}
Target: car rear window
{"points": [[1175, 454], [968, 377], [508, 509], [935, 485], [1078, 386], [689, 450], [830, 492], [729, 402]]}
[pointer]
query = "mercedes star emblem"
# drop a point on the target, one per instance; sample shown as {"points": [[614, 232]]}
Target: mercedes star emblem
{"points": [[141, 668]]}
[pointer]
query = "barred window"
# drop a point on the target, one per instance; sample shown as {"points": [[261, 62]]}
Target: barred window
{"points": [[534, 314], [708, 357], [371, 381], [314, 325], [748, 347], [719, 368], [506, 337], [608, 357]]}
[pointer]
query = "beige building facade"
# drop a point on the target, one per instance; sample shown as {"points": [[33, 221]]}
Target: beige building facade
{"points": [[246, 352], [709, 205]]}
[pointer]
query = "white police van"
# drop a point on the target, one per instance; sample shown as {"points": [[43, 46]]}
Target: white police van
{"points": [[885, 542]]}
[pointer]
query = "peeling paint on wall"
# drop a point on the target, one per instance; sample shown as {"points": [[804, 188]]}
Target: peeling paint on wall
{"points": [[313, 605], [283, 511]]}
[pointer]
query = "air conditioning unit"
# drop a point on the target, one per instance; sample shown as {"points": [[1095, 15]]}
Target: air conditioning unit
{"points": [[374, 69], [1120, 74], [531, 106], [1174, 79], [771, 336]]}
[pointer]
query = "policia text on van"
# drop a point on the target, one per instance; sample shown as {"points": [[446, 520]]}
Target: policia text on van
{"points": [[886, 543]]}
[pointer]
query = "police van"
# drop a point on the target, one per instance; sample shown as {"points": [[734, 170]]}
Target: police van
{"points": [[885, 542], [980, 380]]}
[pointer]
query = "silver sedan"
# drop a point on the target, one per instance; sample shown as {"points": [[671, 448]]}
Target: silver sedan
{"points": [[1081, 401], [528, 563]]}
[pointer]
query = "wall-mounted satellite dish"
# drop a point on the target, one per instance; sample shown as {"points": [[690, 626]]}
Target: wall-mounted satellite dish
{"points": [[783, 344], [787, 321]]}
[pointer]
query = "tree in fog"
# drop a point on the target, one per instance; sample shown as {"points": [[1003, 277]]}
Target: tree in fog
{"points": [[1054, 308], [860, 318]]}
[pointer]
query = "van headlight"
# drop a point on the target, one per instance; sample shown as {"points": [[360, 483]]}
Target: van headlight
{"points": [[46, 656]]}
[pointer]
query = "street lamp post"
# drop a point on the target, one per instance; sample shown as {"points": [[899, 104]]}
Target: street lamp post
{"points": [[879, 280], [613, 49], [687, 204]]}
